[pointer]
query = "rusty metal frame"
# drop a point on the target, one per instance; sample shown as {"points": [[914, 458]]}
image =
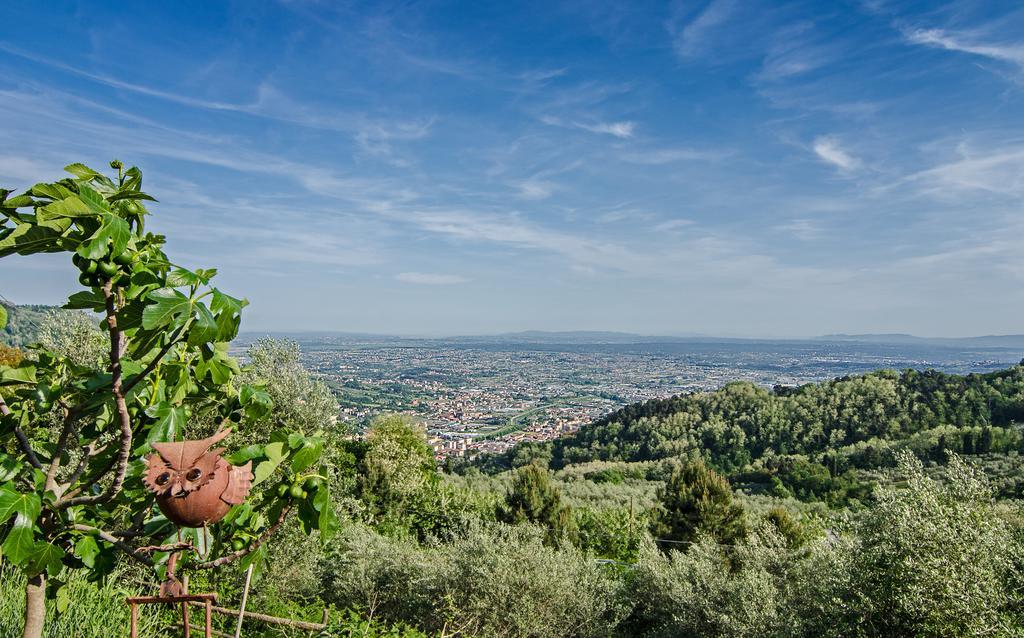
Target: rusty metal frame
{"points": [[183, 600]]}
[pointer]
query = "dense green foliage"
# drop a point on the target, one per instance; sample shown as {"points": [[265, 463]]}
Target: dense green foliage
{"points": [[809, 441], [79, 411], [490, 581], [847, 422], [933, 557], [930, 553]]}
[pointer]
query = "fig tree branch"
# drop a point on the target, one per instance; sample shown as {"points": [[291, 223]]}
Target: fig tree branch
{"points": [[175, 338], [245, 551], [116, 351], [69, 497], [90, 451], [62, 445], [116, 542], [26, 447]]}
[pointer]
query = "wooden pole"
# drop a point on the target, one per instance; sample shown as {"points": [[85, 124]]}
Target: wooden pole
{"points": [[271, 620], [245, 598], [209, 618], [184, 606], [135, 621]]}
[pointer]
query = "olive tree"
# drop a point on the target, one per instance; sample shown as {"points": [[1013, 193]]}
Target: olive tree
{"points": [[73, 432], [936, 558], [75, 335], [298, 397], [300, 401]]}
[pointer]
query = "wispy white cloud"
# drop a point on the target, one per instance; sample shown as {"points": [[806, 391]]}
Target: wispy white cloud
{"points": [[377, 137], [829, 149], [430, 279], [536, 189], [794, 51], [514, 231], [115, 83], [385, 197], [583, 95], [269, 103], [38, 113], [540, 77], [618, 129], [692, 38], [993, 169], [967, 43], [621, 130], [15, 169], [802, 229], [673, 224], [655, 157]]}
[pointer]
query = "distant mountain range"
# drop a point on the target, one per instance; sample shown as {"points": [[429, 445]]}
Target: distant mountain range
{"points": [[538, 336], [987, 341], [604, 337], [24, 322]]}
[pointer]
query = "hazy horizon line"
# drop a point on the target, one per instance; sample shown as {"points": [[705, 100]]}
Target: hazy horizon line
{"points": [[626, 333]]}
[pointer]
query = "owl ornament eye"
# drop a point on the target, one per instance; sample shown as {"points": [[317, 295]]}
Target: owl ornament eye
{"points": [[193, 484]]}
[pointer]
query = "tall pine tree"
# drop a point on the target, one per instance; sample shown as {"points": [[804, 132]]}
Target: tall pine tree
{"points": [[695, 500], [533, 498]]}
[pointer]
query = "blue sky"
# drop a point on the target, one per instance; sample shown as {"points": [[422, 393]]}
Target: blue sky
{"points": [[727, 167]]}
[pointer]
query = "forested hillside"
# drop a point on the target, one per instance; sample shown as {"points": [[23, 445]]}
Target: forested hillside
{"points": [[814, 441], [23, 323]]}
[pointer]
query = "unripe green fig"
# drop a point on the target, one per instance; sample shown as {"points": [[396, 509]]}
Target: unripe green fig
{"points": [[297, 492], [107, 269]]}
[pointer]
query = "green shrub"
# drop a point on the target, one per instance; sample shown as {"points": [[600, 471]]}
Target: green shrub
{"points": [[710, 591], [613, 533], [495, 580], [355, 626], [936, 557]]}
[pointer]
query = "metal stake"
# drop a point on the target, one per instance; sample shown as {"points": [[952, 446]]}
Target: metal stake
{"points": [[245, 598]]}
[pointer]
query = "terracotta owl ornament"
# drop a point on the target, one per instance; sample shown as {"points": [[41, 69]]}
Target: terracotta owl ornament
{"points": [[193, 484]]}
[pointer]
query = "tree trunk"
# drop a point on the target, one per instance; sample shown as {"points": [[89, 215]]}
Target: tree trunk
{"points": [[35, 606]]}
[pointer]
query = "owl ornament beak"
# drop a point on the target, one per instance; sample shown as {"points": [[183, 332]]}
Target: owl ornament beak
{"points": [[193, 484]]}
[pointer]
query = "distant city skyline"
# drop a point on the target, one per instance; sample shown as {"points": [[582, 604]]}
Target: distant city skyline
{"points": [[745, 169]]}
